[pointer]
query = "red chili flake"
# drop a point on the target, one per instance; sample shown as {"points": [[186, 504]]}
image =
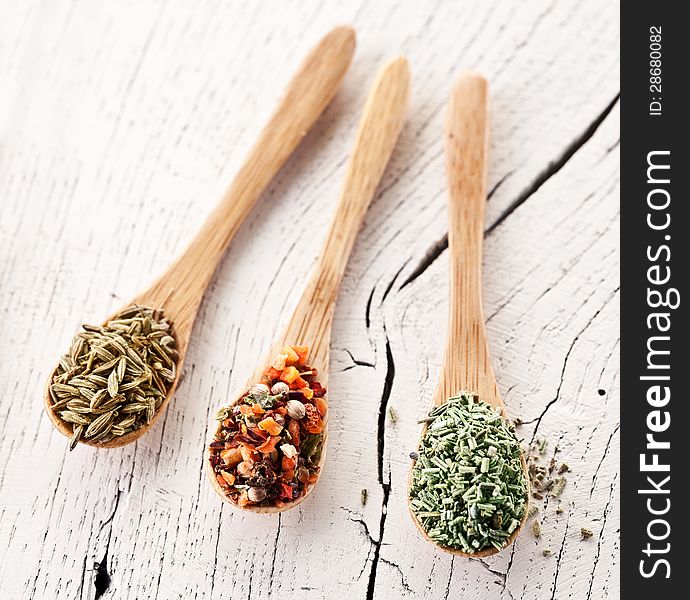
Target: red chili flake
{"points": [[319, 390], [285, 492]]}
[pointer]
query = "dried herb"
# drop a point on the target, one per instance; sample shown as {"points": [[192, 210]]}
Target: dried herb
{"points": [[115, 376], [468, 491], [586, 533], [558, 486], [268, 446], [546, 552], [392, 415], [536, 529], [363, 496]]}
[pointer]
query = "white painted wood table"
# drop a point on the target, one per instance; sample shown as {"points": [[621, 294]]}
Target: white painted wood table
{"points": [[120, 125]]}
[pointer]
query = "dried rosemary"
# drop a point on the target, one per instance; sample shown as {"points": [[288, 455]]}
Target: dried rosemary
{"points": [[115, 376], [469, 490]]}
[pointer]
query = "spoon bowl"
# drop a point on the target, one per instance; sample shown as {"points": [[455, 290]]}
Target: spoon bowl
{"points": [[467, 362], [178, 293], [310, 324]]}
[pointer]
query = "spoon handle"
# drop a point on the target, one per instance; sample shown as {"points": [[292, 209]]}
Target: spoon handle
{"points": [[467, 363], [378, 132], [307, 95]]}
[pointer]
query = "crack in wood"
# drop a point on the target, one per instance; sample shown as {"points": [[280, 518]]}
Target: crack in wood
{"points": [[552, 168], [356, 362], [601, 533], [441, 245], [403, 580], [377, 545], [275, 551], [557, 397], [215, 551], [603, 456], [558, 559], [372, 542], [556, 165], [392, 281], [367, 310], [383, 404], [386, 486], [450, 578], [102, 579], [501, 574]]}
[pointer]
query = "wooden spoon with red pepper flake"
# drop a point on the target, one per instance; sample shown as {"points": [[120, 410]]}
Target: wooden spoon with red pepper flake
{"points": [[310, 324]]}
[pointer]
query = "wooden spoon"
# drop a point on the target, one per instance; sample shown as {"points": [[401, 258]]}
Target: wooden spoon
{"points": [[180, 290], [310, 324], [467, 362]]}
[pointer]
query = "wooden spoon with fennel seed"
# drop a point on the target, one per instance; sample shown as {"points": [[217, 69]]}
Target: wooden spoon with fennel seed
{"points": [[310, 324], [467, 362], [178, 293]]}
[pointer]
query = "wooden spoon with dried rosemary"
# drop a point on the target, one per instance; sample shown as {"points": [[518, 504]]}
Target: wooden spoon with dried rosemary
{"points": [[310, 325], [468, 487], [117, 378]]}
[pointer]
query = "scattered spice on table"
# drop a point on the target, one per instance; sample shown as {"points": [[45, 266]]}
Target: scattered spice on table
{"points": [[546, 552], [586, 533], [392, 415], [267, 449], [536, 529], [115, 376], [558, 486], [468, 489], [363, 496], [542, 484]]}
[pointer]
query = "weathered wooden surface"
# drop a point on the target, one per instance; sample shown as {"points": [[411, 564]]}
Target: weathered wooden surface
{"points": [[121, 124]]}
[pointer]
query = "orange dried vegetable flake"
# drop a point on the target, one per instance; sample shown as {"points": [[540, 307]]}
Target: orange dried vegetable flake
{"points": [[288, 463], [248, 453], [291, 357], [302, 352], [308, 393], [293, 429], [298, 383], [257, 410], [229, 477], [246, 409], [269, 445], [322, 406], [288, 475], [289, 375], [271, 426], [272, 373], [280, 362], [231, 456]]}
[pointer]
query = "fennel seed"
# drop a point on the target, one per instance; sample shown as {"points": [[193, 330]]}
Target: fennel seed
{"points": [[115, 376]]}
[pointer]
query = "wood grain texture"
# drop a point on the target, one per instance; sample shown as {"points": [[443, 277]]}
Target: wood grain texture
{"points": [[467, 361], [114, 109]]}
